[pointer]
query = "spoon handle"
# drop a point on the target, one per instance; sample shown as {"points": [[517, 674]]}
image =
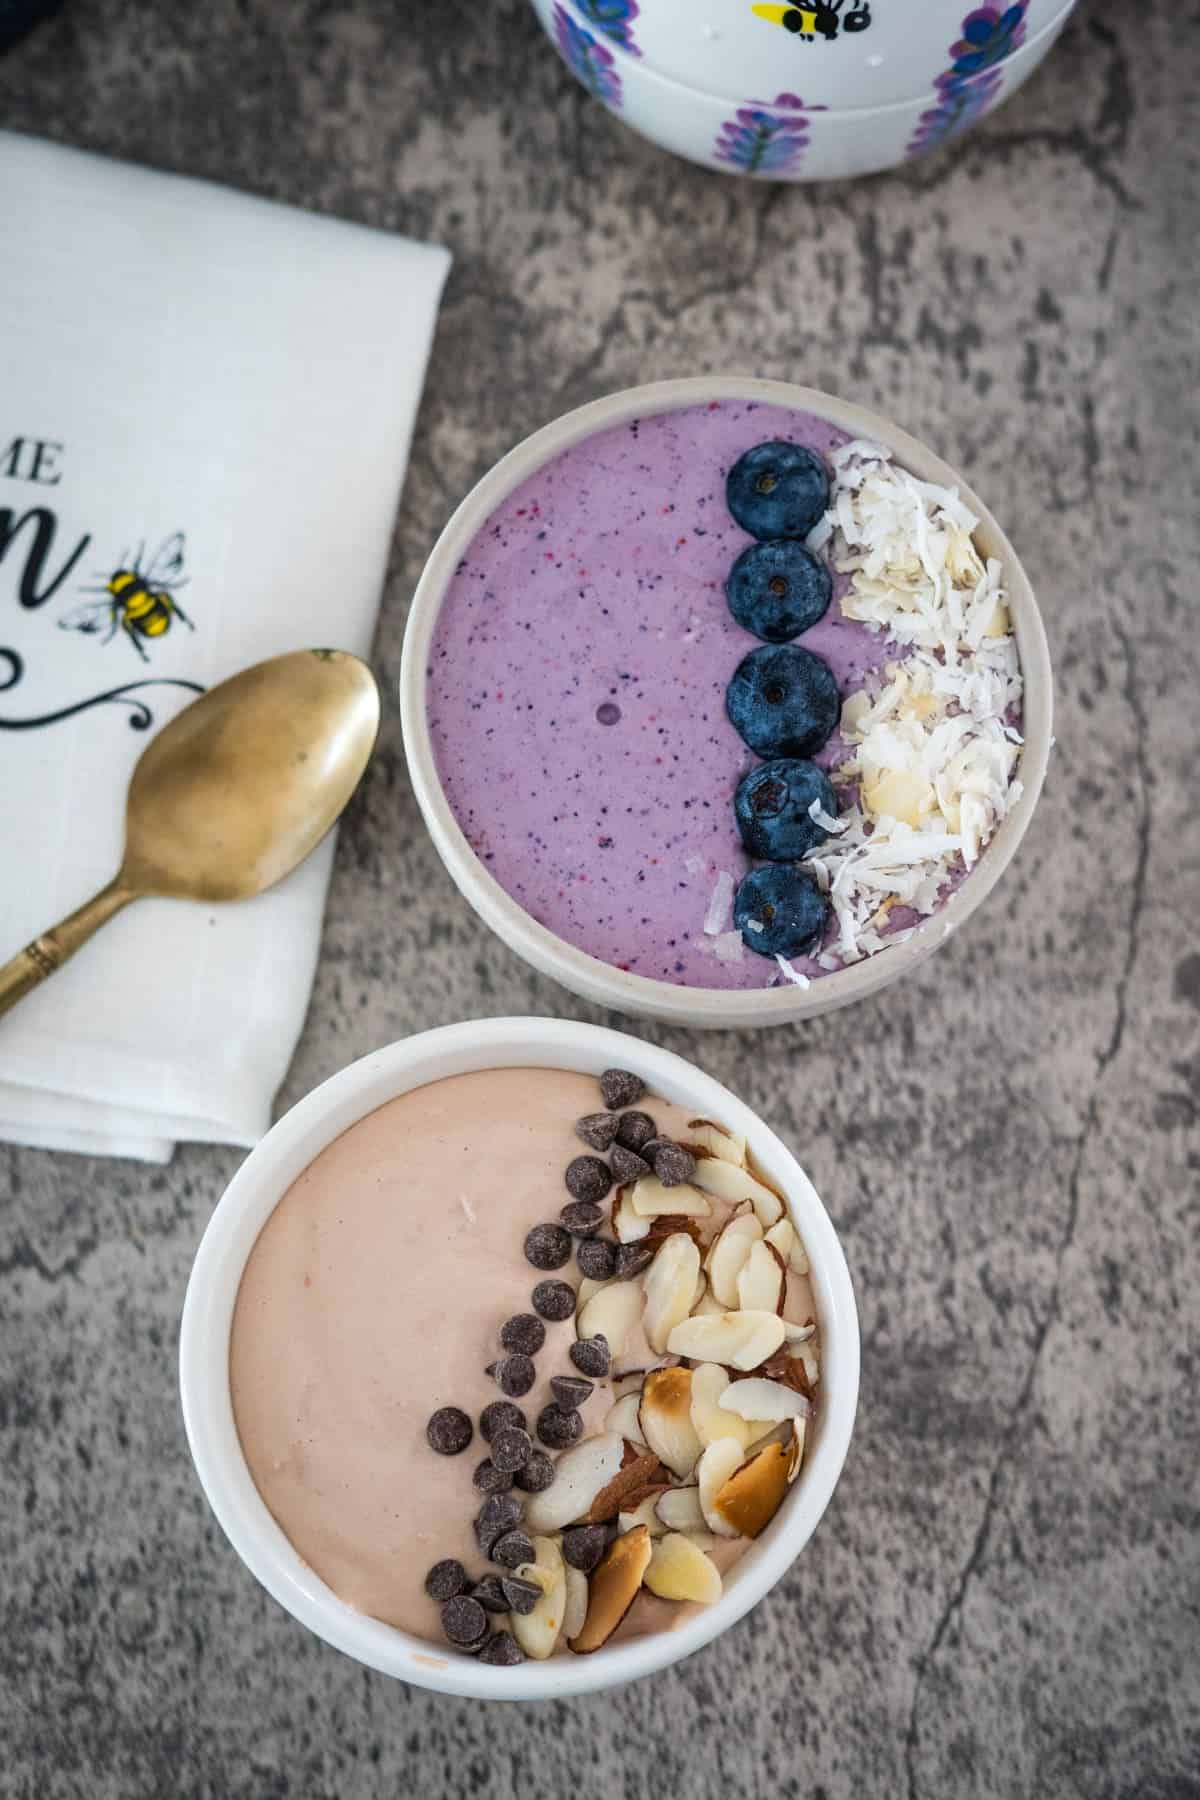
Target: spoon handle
{"points": [[48, 952]]}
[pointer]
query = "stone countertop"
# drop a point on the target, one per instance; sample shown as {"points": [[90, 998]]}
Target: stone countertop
{"points": [[1002, 1599]]}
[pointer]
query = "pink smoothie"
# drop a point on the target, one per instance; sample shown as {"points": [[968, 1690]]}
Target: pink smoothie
{"points": [[576, 689]]}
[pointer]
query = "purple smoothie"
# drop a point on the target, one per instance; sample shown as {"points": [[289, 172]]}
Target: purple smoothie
{"points": [[576, 689]]}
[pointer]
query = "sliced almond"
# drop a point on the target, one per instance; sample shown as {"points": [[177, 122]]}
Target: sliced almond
{"points": [[629, 1382], [750, 1497], [706, 1138], [678, 1571], [713, 1472], [665, 1418], [669, 1284], [766, 1401], [678, 1509], [537, 1631], [762, 1280], [795, 1450], [707, 1306], [789, 1244], [623, 1417], [580, 1474], [740, 1340], [798, 1334], [628, 1487], [805, 1353], [730, 1248], [587, 1287], [644, 1514], [699, 1291], [709, 1420], [612, 1313], [651, 1199], [728, 1183], [575, 1609], [703, 1540], [613, 1589], [627, 1225]]}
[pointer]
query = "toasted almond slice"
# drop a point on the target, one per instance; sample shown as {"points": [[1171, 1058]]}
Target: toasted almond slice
{"points": [[783, 1236], [765, 1401], [612, 1313], [709, 1420], [703, 1540], [707, 1306], [580, 1474], [669, 1284], [699, 1291], [627, 1225], [537, 1631], [762, 1434], [727, 1183], [798, 1334], [623, 1417], [730, 1248], [678, 1571], [651, 1199], [705, 1137], [678, 1509], [613, 1589], [644, 1514], [666, 1419], [740, 1340], [762, 1280], [806, 1354], [628, 1487], [795, 1450], [630, 1382], [750, 1498], [575, 1608], [713, 1471]]}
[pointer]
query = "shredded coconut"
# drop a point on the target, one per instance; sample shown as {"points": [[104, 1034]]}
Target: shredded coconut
{"points": [[792, 974], [719, 903]]}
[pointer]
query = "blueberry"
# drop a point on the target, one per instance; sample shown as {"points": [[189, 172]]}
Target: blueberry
{"points": [[777, 490], [787, 904], [778, 590], [783, 701], [772, 805]]}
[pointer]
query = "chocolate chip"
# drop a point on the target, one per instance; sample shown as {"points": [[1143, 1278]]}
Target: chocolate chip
{"points": [[596, 1258], [554, 1299], [537, 1474], [547, 1246], [464, 1621], [512, 1550], [621, 1087], [673, 1164], [557, 1427], [583, 1546], [627, 1165], [521, 1594], [631, 1260], [449, 1430], [490, 1594], [523, 1332], [588, 1178], [489, 1479], [502, 1649], [446, 1579], [583, 1217], [500, 1415], [591, 1356], [635, 1129], [511, 1449], [513, 1375], [498, 1514], [597, 1129], [570, 1390]]}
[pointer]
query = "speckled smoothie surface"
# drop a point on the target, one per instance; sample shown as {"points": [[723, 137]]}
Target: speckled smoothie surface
{"points": [[576, 688]]}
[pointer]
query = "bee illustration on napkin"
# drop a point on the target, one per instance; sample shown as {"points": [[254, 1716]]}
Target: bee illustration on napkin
{"points": [[824, 19], [139, 598]]}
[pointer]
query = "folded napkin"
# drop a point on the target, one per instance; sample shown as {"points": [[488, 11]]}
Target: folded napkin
{"points": [[216, 393]]}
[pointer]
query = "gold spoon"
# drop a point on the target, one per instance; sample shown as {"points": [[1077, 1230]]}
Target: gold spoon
{"points": [[229, 796]]}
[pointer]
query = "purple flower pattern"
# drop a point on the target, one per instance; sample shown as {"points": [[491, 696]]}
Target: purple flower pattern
{"points": [[587, 60], [969, 86], [614, 18], [766, 137]]}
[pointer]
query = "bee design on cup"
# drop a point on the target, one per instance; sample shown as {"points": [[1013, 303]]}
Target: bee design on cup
{"points": [[138, 598], [825, 19]]}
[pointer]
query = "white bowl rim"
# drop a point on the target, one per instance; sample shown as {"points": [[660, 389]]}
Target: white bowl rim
{"points": [[601, 982], [253, 1194]]}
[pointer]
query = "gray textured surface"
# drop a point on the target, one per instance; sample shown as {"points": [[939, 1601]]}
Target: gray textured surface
{"points": [[1003, 1597]]}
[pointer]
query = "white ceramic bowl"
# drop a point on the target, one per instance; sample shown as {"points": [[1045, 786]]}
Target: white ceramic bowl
{"points": [[247, 1204], [736, 91], [598, 981]]}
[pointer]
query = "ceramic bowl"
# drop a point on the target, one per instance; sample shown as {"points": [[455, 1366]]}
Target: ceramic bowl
{"points": [[801, 93], [601, 982], [245, 1207]]}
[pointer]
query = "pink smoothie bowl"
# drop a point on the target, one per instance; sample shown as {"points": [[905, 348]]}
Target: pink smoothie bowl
{"points": [[601, 982]]}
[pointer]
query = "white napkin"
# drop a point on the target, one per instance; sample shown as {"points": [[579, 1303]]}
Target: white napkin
{"points": [[230, 384]]}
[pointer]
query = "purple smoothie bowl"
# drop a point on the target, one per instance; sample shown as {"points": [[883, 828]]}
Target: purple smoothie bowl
{"points": [[562, 699]]}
